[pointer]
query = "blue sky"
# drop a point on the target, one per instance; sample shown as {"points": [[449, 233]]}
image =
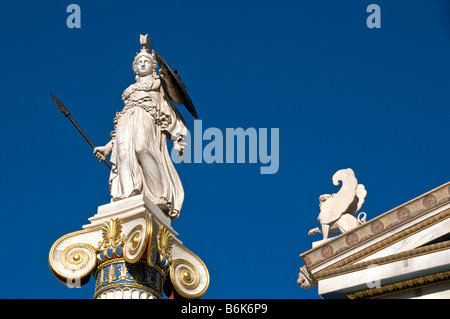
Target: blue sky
{"points": [[341, 94]]}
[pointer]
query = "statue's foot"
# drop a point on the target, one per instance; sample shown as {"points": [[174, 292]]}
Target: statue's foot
{"points": [[116, 198], [174, 214], [135, 192], [314, 231]]}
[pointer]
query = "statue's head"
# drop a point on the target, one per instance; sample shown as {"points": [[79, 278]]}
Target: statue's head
{"points": [[143, 65], [145, 62]]}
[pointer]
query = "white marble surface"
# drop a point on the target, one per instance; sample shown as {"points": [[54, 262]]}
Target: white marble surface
{"points": [[383, 274]]}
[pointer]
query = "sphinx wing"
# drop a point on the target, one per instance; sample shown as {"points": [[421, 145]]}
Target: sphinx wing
{"points": [[334, 207]]}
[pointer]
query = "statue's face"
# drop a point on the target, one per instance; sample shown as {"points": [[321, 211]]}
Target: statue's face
{"points": [[144, 66]]}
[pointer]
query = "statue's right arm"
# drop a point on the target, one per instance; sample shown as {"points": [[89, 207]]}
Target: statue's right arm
{"points": [[102, 152]]}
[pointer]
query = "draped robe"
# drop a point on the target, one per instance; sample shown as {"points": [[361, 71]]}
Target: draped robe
{"points": [[141, 163]]}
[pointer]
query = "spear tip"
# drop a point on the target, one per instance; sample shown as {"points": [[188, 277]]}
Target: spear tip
{"points": [[61, 107]]}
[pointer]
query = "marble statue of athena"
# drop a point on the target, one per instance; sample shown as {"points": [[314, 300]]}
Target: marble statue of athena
{"points": [[141, 163]]}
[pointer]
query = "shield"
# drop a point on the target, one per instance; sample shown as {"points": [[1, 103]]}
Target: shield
{"points": [[187, 100]]}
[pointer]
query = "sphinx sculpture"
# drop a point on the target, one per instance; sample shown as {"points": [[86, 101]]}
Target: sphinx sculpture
{"points": [[338, 211], [141, 163]]}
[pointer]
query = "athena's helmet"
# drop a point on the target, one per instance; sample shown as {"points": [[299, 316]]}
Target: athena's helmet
{"points": [[145, 51]]}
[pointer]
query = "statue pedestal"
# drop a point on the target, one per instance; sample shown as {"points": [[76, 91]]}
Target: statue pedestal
{"points": [[128, 209], [132, 251]]}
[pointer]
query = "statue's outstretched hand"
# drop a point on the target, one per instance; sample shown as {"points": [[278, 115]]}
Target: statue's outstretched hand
{"points": [[164, 73], [99, 154], [102, 152]]}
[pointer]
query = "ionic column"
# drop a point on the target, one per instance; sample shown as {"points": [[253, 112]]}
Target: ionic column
{"points": [[132, 252]]}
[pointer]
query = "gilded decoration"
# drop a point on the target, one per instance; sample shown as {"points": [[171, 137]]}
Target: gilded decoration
{"points": [[112, 235], [136, 241], [188, 274], [72, 264], [120, 273], [152, 250], [136, 262], [165, 242], [402, 286], [76, 256]]}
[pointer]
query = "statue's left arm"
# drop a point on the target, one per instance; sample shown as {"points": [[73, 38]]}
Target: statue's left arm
{"points": [[173, 89], [171, 120]]}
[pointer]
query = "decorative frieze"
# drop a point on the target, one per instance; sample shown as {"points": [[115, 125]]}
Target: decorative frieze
{"points": [[402, 286], [118, 273]]}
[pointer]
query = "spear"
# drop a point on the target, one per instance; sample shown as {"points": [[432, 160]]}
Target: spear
{"points": [[64, 110]]}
